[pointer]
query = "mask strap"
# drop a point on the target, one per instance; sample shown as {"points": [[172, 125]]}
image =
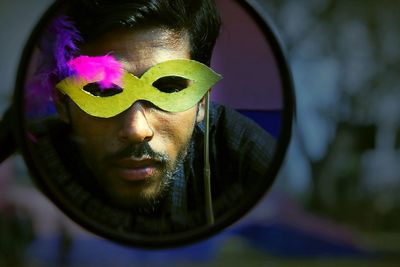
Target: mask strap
{"points": [[207, 172]]}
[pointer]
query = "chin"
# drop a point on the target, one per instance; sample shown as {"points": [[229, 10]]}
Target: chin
{"points": [[143, 195]]}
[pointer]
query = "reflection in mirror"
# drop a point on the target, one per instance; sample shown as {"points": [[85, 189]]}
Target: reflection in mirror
{"points": [[147, 160]]}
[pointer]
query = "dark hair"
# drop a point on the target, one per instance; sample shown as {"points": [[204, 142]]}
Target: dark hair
{"points": [[199, 18]]}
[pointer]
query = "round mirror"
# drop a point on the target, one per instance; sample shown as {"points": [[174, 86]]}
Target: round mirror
{"points": [[115, 122]]}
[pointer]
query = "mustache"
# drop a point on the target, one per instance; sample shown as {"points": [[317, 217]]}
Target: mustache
{"points": [[142, 150]]}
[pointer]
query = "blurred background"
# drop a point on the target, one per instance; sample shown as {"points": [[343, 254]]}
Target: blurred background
{"points": [[335, 201]]}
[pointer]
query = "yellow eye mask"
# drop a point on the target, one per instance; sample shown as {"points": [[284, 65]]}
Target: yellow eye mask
{"points": [[133, 89]]}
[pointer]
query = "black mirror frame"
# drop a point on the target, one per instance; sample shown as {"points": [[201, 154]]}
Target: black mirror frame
{"points": [[176, 239]]}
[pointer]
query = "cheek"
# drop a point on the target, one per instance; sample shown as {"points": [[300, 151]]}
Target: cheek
{"points": [[174, 130], [93, 134]]}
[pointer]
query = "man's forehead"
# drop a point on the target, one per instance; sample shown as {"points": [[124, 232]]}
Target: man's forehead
{"points": [[141, 49], [143, 60]]}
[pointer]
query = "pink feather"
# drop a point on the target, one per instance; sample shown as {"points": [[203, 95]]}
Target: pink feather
{"points": [[105, 69]]}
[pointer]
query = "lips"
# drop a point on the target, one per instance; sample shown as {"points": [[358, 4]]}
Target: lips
{"points": [[133, 169]]}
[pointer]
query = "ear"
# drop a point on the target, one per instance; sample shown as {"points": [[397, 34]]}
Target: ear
{"points": [[61, 103], [201, 109]]}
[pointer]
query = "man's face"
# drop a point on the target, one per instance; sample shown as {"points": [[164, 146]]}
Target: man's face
{"points": [[134, 153]]}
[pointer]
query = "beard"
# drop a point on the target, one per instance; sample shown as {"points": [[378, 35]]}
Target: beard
{"points": [[148, 203], [144, 196]]}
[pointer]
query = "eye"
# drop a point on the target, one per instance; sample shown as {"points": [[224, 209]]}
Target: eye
{"points": [[96, 90], [171, 84]]}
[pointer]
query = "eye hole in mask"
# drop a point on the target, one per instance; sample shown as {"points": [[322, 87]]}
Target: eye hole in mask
{"points": [[96, 90], [171, 84]]}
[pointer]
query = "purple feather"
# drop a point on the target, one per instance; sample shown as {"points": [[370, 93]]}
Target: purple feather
{"points": [[58, 46], [65, 45]]}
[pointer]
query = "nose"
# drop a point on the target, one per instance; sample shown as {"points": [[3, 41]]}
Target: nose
{"points": [[135, 127]]}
